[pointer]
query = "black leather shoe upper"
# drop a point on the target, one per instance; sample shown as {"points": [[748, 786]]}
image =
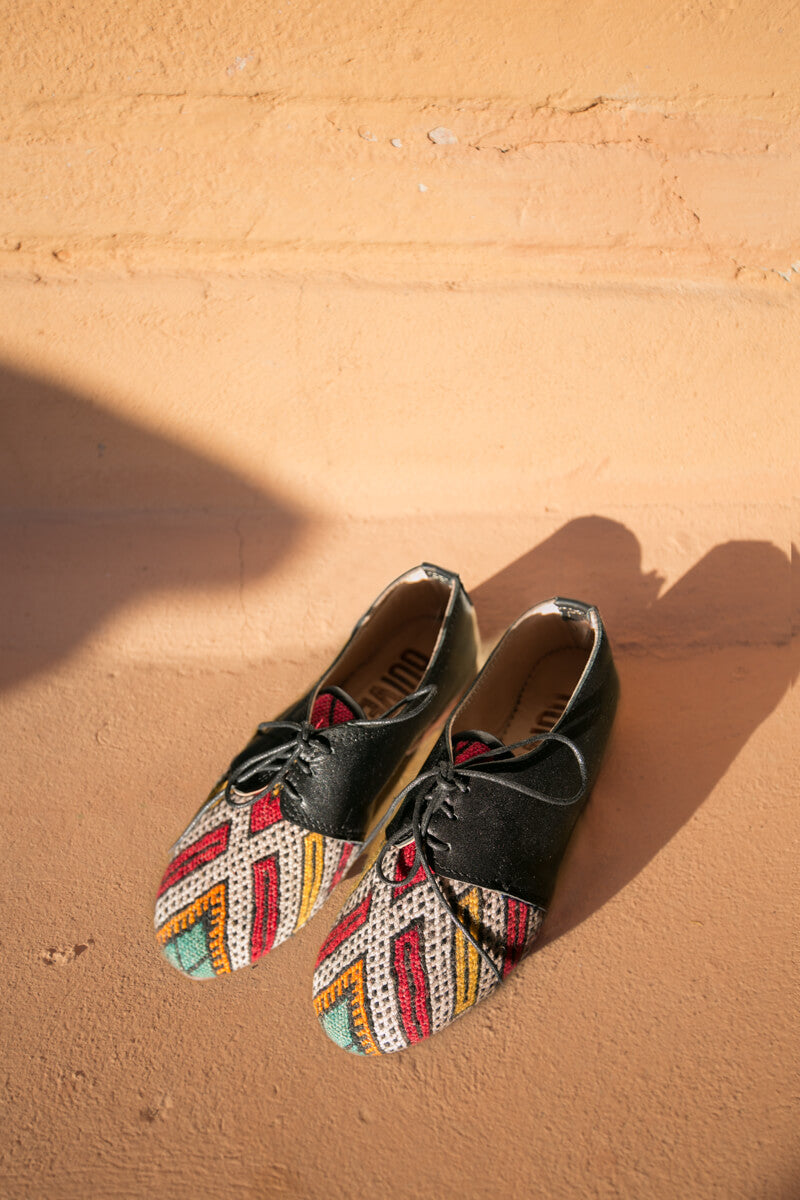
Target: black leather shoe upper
{"points": [[504, 821], [407, 659]]}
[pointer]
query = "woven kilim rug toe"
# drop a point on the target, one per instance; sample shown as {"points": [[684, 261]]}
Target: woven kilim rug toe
{"points": [[244, 879], [395, 968]]}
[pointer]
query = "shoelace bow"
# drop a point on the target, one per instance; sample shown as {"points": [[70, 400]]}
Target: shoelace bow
{"points": [[449, 778], [303, 749]]}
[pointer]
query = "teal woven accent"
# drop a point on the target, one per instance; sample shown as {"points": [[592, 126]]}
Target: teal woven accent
{"points": [[189, 952], [336, 1023]]}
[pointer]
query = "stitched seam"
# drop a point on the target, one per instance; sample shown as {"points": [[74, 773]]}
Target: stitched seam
{"points": [[496, 886]]}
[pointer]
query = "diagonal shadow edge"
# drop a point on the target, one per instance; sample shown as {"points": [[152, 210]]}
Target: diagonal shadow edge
{"points": [[96, 511]]}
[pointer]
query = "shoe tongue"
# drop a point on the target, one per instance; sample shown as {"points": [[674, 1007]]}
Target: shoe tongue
{"points": [[333, 706], [472, 742]]}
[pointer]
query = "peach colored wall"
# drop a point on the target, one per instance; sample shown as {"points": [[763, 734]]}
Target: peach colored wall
{"points": [[256, 359]]}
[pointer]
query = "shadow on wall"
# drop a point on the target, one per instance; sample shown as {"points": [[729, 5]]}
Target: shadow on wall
{"points": [[700, 668], [95, 511]]}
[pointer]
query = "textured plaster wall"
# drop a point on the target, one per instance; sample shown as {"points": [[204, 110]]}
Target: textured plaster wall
{"points": [[264, 344]]}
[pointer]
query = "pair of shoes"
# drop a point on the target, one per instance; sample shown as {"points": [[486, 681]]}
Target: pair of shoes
{"points": [[457, 894]]}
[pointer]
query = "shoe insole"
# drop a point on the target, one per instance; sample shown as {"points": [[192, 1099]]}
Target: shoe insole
{"points": [[396, 669], [544, 695]]}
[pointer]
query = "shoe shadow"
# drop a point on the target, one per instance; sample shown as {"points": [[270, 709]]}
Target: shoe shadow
{"points": [[700, 668], [96, 511]]}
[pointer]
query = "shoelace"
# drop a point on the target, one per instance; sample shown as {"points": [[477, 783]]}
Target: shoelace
{"points": [[303, 749], [448, 778]]}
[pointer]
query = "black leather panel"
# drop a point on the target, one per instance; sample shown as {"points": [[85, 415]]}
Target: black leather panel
{"points": [[505, 839], [339, 796]]}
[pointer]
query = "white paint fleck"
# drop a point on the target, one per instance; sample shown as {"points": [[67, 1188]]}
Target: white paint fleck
{"points": [[396, 142], [366, 134], [792, 269], [442, 137], [422, 187], [239, 63]]}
